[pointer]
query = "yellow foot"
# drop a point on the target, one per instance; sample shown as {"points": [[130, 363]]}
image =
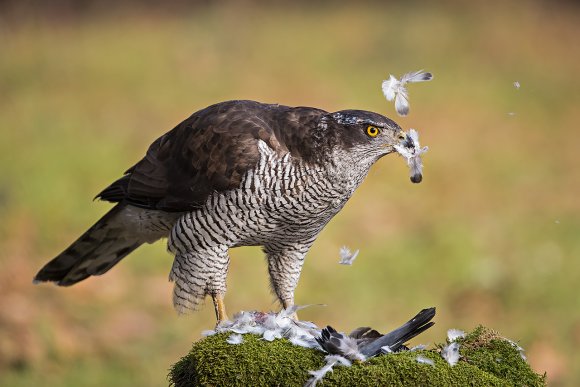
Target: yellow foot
{"points": [[220, 308]]}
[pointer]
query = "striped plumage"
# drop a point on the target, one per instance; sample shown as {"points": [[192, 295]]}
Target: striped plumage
{"points": [[238, 173]]}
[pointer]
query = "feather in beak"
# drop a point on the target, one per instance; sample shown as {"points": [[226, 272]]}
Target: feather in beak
{"points": [[411, 150]]}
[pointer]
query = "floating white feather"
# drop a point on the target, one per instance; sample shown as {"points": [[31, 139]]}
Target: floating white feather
{"points": [[346, 257], [394, 89]]}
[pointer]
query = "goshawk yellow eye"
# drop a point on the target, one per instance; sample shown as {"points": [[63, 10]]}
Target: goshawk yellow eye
{"points": [[372, 131]]}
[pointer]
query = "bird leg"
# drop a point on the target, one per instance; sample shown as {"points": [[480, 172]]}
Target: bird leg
{"points": [[284, 266], [220, 308], [287, 304]]}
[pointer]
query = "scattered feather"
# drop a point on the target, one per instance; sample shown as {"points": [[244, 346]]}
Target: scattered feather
{"points": [[425, 360], [451, 353], [271, 326], [454, 334], [517, 85], [340, 347], [419, 347], [394, 89], [271, 335], [511, 114], [411, 150], [303, 342], [346, 257], [517, 346], [331, 361], [235, 339]]}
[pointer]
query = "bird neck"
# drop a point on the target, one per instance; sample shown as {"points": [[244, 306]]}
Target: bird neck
{"points": [[349, 169]]}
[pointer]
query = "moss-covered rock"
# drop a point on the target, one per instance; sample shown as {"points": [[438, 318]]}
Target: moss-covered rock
{"points": [[487, 360]]}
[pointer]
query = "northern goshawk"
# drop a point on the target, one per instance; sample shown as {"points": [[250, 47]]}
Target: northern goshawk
{"points": [[237, 173]]}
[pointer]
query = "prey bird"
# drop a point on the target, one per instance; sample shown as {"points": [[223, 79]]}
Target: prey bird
{"points": [[237, 173], [364, 342]]}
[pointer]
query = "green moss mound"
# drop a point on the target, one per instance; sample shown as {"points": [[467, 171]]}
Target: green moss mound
{"points": [[487, 360]]}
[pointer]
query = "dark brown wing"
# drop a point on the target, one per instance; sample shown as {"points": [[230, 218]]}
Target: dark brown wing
{"points": [[210, 152]]}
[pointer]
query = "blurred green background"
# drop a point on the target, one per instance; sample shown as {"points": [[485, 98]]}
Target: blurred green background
{"points": [[491, 236]]}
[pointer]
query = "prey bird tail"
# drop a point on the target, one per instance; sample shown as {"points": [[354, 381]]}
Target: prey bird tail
{"points": [[99, 249], [398, 337]]}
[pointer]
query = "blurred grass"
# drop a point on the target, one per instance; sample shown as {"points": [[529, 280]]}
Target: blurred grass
{"points": [[491, 236]]}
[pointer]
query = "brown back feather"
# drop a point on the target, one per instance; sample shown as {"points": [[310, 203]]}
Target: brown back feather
{"points": [[213, 149]]}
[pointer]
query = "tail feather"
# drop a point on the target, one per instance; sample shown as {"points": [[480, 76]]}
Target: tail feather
{"points": [[99, 249], [398, 337]]}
